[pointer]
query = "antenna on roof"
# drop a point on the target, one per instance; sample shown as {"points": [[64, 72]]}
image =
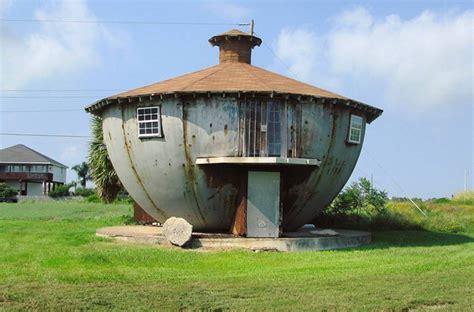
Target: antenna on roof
{"points": [[251, 27]]}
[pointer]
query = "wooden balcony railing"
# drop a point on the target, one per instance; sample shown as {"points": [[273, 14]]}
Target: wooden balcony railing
{"points": [[26, 176]]}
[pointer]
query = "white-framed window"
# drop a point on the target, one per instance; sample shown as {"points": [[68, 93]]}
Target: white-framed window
{"points": [[149, 121], [355, 130]]}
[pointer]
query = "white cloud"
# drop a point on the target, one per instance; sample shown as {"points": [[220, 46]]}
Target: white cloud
{"points": [[420, 63], [230, 11], [4, 6], [52, 50], [304, 48]]}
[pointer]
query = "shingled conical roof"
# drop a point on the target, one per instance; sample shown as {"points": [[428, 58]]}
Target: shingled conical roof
{"points": [[233, 74], [231, 77]]}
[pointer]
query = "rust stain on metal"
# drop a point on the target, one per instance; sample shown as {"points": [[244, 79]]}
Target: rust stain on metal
{"points": [[290, 214], [188, 165], [132, 166], [141, 215]]}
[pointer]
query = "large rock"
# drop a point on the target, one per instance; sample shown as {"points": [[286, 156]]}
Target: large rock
{"points": [[177, 231]]}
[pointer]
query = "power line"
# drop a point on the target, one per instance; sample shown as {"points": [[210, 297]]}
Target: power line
{"points": [[53, 97], [395, 182], [277, 57], [42, 111], [60, 90], [123, 22], [47, 135]]}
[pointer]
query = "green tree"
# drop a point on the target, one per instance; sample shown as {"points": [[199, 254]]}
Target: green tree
{"points": [[359, 198], [7, 191], [83, 173], [103, 174]]}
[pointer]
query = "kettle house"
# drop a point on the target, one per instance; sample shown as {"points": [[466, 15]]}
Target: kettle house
{"points": [[234, 147]]}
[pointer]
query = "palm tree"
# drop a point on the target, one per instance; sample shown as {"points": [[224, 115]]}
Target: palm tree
{"points": [[103, 174], [83, 173]]}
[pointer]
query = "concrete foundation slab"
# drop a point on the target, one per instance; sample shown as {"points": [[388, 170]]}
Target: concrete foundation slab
{"points": [[304, 240]]}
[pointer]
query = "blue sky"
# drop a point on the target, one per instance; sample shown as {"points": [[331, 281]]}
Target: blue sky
{"points": [[414, 59]]}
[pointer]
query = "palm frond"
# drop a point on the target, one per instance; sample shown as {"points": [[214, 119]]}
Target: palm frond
{"points": [[103, 174]]}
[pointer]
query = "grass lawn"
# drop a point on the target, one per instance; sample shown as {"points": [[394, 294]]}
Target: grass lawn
{"points": [[50, 259]]}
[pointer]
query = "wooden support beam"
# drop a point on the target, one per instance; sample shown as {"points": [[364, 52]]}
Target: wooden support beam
{"points": [[239, 224]]}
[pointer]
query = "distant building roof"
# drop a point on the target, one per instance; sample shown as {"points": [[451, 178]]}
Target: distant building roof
{"points": [[21, 154]]}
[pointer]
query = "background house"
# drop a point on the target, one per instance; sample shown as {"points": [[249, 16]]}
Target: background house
{"points": [[29, 171]]}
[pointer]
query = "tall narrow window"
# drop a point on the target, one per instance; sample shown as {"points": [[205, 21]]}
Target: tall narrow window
{"points": [[355, 130], [273, 130], [262, 128], [149, 121]]}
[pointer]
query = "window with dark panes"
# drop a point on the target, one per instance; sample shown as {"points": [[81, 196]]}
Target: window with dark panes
{"points": [[149, 121], [262, 128], [274, 129]]}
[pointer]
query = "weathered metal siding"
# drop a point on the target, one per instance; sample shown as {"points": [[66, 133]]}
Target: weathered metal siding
{"points": [[161, 175], [323, 136], [212, 129]]}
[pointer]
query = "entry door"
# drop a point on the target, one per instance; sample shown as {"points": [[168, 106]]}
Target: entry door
{"points": [[263, 204]]}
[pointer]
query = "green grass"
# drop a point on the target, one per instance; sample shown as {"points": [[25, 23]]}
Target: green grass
{"points": [[466, 197], [50, 259], [445, 217], [438, 216]]}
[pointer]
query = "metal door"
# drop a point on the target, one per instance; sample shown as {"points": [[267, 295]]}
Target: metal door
{"points": [[263, 204]]}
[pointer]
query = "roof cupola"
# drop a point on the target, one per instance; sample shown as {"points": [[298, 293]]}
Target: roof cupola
{"points": [[235, 46]]}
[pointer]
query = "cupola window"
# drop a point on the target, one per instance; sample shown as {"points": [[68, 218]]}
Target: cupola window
{"points": [[149, 121]]}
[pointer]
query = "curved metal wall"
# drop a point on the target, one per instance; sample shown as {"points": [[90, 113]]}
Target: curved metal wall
{"points": [[161, 175]]}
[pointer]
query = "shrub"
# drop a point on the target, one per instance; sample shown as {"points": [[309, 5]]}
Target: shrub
{"points": [[60, 191], [442, 200], [358, 206], [93, 198], [7, 191], [84, 192], [123, 198], [360, 198]]}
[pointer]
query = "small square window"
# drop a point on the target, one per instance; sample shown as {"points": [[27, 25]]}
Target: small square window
{"points": [[149, 122], [355, 130]]}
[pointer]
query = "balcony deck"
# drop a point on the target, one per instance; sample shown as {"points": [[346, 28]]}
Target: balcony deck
{"points": [[26, 176]]}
